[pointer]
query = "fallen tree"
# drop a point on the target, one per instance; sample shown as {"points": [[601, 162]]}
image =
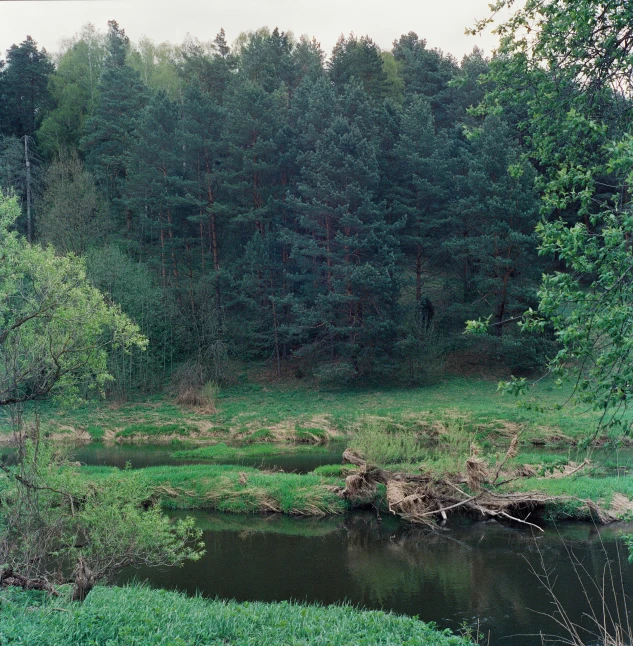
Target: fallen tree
{"points": [[426, 498]]}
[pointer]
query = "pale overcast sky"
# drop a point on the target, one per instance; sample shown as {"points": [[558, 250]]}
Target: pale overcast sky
{"points": [[440, 22]]}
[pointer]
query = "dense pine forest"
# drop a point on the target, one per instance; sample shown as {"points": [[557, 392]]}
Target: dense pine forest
{"points": [[332, 216]]}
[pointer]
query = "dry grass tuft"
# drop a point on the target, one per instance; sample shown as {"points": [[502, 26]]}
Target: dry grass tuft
{"points": [[476, 473]]}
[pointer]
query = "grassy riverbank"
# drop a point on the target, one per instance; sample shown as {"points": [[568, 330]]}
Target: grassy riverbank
{"points": [[306, 413], [245, 490], [236, 489], [224, 452], [431, 430], [139, 615]]}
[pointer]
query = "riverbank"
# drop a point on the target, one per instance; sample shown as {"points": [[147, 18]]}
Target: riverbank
{"points": [[236, 489], [246, 490], [298, 413], [431, 433], [140, 615]]}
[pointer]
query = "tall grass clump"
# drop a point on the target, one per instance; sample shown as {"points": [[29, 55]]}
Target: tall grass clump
{"points": [[382, 443], [385, 443]]}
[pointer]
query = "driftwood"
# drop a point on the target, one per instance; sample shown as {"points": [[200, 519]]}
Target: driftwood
{"points": [[425, 499], [10, 578]]}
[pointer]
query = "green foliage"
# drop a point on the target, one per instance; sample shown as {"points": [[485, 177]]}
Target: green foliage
{"points": [[476, 402], [335, 470], [73, 216], [97, 433], [24, 93], [339, 220], [133, 286], [443, 447], [578, 488], [54, 327], [261, 435], [74, 89], [578, 123], [140, 615], [310, 435], [87, 533]]}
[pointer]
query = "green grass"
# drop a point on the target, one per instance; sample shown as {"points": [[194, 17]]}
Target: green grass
{"points": [[97, 433], [291, 409], [138, 615], [223, 451], [599, 490], [262, 435], [310, 435], [154, 430], [237, 489], [335, 470]]}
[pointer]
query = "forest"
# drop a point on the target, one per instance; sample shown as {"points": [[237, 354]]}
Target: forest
{"points": [[283, 328], [336, 217]]}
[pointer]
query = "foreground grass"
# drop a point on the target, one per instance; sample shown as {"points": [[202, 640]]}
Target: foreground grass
{"points": [[139, 615], [252, 413]]}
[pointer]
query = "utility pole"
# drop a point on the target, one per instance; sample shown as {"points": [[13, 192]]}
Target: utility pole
{"points": [[29, 220]]}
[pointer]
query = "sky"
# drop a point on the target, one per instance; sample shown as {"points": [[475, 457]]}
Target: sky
{"points": [[440, 22]]}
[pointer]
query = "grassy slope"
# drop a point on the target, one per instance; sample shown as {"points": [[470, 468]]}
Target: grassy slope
{"points": [[137, 615], [244, 410]]}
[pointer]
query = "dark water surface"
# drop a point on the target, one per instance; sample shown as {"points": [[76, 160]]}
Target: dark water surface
{"points": [[147, 455], [478, 574]]}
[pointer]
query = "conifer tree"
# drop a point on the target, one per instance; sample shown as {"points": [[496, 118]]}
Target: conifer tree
{"points": [[109, 132], [359, 58], [24, 93], [426, 72], [345, 251], [491, 227]]}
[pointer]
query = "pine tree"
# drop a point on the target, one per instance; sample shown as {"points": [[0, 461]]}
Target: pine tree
{"points": [[359, 58], [200, 132], [156, 193], [427, 72], [109, 132], [344, 250], [491, 228], [422, 173], [24, 94]]}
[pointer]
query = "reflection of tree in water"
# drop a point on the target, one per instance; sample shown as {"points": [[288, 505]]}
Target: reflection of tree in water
{"points": [[478, 571]]}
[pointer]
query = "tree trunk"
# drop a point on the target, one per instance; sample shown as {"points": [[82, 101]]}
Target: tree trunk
{"points": [[84, 581]]}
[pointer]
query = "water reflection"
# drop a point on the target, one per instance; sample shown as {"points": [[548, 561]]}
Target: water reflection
{"points": [[467, 573], [148, 455]]}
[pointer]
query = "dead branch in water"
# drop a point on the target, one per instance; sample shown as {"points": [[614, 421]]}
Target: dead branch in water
{"points": [[423, 498]]}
